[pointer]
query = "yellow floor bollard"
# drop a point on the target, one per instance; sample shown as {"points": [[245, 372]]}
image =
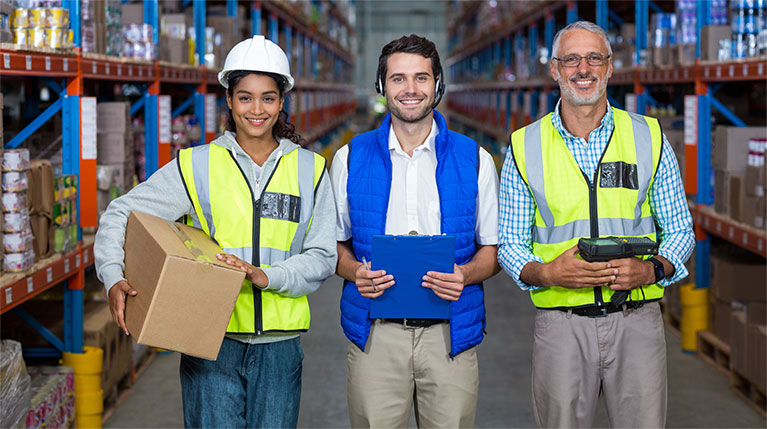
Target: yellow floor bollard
{"points": [[694, 315]]}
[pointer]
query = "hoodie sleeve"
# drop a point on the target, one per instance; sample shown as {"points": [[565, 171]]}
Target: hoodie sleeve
{"points": [[303, 274], [162, 195]]}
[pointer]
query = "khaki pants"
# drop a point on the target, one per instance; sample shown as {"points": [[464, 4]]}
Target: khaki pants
{"points": [[623, 355], [403, 366]]}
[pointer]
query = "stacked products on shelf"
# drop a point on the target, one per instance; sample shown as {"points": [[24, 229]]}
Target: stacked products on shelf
{"points": [[101, 29], [41, 24], [739, 309], [749, 28], [173, 44], [6, 12], [52, 403], [739, 174], [138, 42], [14, 385], [64, 213], [17, 233], [116, 161]]}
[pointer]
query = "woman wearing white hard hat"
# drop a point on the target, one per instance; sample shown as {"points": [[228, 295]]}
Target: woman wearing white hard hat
{"points": [[266, 202]]}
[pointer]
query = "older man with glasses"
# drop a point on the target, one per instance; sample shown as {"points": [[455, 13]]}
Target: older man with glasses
{"points": [[591, 170]]}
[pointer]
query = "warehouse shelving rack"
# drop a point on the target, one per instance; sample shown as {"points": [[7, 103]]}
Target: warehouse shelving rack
{"points": [[491, 109], [329, 102]]}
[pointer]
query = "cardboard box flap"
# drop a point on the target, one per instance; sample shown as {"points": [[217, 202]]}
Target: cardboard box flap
{"points": [[181, 240]]}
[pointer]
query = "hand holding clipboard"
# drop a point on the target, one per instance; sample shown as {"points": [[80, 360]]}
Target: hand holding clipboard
{"points": [[371, 284], [426, 276]]}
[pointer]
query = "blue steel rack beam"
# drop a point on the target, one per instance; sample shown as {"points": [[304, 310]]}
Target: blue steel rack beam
{"points": [[199, 28], [602, 14]]}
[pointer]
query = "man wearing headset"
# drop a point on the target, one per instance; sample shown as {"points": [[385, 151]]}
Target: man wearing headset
{"points": [[413, 174]]}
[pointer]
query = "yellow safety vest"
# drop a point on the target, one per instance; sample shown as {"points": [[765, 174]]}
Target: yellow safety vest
{"points": [[261, 232], [568, 208]]}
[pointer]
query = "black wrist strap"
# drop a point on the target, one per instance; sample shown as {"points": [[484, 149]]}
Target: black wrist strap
{"points": [[659, 270]]}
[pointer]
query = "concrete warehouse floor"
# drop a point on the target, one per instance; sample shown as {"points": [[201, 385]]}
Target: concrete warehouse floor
{"points": [[699, 396]]}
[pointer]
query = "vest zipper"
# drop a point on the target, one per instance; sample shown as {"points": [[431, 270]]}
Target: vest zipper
{"points": [[594, 216], [594, 224], [255, 244]]}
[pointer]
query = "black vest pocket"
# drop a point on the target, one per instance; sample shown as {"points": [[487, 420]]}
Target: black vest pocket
{"points": [[619, 175]]}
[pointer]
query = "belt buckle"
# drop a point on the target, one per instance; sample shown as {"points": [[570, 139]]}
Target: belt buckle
{"points": [[603, 311]]}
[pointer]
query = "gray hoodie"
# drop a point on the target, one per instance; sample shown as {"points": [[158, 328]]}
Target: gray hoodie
{"points": [[163, 194]]}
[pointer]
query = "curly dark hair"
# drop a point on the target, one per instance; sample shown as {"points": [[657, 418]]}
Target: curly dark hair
{"points": [[282, 129]]}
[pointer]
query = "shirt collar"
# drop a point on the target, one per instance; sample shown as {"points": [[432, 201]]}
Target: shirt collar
{"points": [[428, 144], [556, 120]]}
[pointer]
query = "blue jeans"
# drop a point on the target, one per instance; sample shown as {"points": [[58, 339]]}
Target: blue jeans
{"points": [[249, 385]]}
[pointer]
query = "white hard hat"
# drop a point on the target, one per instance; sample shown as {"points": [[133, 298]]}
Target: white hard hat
{"points": [[257, 54]]}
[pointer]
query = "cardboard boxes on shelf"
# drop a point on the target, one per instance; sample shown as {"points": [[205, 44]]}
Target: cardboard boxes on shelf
{"points": [[116, 161], [736, 185], [174, 269]]}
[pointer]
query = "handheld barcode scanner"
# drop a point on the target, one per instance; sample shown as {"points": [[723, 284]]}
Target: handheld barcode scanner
{"points": [[608, 248]]}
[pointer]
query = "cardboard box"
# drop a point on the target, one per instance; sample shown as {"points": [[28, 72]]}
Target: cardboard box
{"points": [[721, 185], [754, 211], [133, 13], [730, 147], [722, 320], [661, 56], [738, 348], [710, 35], [736, 197], [113, 148], [683, 55], [755, 181], [736, 278], [756, 345], [113, 117], [174, 50], [756, 312], [185, 295]]}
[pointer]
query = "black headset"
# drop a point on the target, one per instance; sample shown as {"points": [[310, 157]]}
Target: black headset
{"points": [[439, 89]]}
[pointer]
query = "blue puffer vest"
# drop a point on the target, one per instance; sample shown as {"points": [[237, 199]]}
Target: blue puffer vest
{"points": [[368, 188]]}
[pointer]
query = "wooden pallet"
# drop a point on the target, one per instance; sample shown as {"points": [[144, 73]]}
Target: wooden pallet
{"points": [[749, 392], [123, 388], [714, 351]]}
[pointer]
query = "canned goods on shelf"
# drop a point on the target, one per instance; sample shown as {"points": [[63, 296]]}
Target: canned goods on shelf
{"points": [[56, 37], [20, 18], [39, 17], [14, 181], [14, 201], [58, 17], [21, 36], [15, 160], [38, 36]]}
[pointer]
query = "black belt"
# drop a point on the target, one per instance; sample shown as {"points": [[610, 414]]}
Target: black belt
{"points": [[602, 311], [416, 323]]}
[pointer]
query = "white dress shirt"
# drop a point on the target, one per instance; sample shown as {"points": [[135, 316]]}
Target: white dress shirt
{"points": [[414, 199]]}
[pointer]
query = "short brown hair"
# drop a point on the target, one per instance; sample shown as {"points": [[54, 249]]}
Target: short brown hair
{"points": [[412, 44]]}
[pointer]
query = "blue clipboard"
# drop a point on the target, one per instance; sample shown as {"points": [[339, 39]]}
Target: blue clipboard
{"points": [[408, 258]]}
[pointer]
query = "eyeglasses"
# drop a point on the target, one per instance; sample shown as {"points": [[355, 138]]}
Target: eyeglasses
{"points": [[574, 60]]}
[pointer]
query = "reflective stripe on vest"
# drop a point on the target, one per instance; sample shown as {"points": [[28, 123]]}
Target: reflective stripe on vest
{"points": [[227, 215], [561, 194]]}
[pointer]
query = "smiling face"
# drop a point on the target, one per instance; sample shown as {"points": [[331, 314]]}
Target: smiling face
{"points": [[255, 102], [585, 84], [409, 86]]}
